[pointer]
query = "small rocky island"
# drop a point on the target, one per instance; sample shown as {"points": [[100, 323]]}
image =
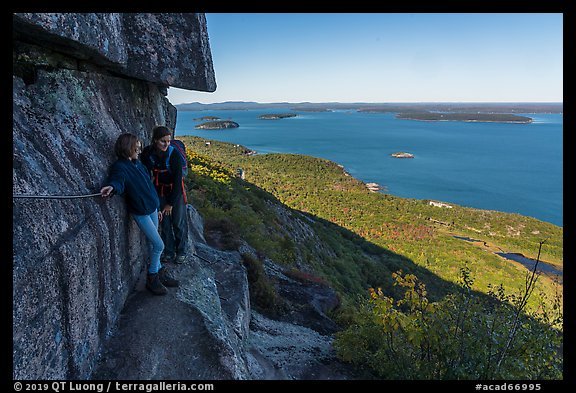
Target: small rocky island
{"points": [[276, 116], [468, 117], [207, 118], [401, 154], [217, 125]]}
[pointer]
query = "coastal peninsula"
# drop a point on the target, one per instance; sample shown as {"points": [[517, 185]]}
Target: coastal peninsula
{"points": [[467, 117], [217, 125], [276, 116]]}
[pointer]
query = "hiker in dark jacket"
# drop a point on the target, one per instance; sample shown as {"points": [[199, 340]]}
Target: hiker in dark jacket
{"points": [[165, 165], [129, 178]]}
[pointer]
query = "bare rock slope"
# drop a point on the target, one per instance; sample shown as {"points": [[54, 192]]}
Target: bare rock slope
{"points": [[206, 329]]}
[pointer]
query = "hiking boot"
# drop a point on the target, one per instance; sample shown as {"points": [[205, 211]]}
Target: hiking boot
{"points": [[154, 285], [166, 278], [180, 259]]}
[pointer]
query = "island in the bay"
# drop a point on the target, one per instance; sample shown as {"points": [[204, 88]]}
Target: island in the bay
{"points": [[207, 118], [217, 125], [275, 116], [468, 117], [402, 154]]}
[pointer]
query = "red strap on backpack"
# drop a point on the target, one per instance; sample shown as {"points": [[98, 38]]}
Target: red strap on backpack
{"points": [[162, 185], [156, 172], [184, 192]]}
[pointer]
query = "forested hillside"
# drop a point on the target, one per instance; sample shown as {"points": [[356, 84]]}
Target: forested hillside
{"points": [[374, 247]]}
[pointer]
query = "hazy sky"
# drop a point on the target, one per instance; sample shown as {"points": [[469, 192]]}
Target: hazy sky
{"points": [[386, 57]]}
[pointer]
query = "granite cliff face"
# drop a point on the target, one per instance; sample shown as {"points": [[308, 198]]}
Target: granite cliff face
{"points": [[79, 81], [80, 310]]}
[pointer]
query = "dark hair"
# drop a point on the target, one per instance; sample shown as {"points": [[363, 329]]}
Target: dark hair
{"points": [[125, 145], [160, 132]]}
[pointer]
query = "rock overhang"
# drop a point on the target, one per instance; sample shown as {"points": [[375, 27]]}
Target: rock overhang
{"points": [[170, 49]]}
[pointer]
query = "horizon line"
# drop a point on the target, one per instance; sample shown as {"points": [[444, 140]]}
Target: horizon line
{"points": [[367, 102]]}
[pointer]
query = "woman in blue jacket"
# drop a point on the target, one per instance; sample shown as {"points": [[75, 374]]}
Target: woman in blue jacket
{"points": [[128, 177]]}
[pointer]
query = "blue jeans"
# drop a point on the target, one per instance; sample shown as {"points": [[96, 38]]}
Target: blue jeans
{"points": [[149, 225]]}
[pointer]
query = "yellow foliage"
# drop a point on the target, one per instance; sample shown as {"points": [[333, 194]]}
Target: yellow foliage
{"points": [[204, 166]]}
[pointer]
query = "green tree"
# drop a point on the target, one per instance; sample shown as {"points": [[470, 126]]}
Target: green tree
{"points": [[463, 336]]}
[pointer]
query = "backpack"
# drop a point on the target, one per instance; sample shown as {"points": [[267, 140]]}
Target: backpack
{"points": [[175, 146], [178, 146]]}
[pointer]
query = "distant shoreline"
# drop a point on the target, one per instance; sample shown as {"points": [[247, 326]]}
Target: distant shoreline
{"points": [[449, 107]]}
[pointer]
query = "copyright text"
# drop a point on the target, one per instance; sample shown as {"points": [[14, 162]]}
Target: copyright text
{"points": [[101, 387]]}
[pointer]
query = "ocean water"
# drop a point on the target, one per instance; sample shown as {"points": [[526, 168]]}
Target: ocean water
{"points": [[515, 168]]}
